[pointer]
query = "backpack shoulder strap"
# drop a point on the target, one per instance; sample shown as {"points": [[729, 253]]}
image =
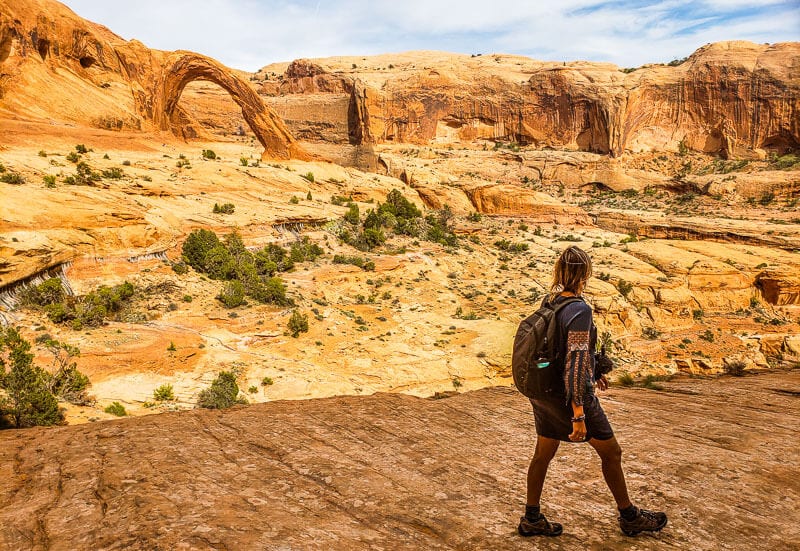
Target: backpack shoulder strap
{"points": [[553, 329]]}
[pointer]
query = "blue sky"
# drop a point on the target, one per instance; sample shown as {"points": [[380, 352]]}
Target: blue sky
{"points": [[248, 34]]}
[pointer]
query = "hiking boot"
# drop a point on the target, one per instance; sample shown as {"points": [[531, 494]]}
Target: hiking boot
{"points": [[539, 527], [644, 521]]}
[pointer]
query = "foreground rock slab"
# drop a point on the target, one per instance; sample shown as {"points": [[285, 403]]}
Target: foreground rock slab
{"points": [[392, 471]]}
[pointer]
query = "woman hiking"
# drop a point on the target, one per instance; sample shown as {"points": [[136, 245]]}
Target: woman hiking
{"points": [[576, 415]]}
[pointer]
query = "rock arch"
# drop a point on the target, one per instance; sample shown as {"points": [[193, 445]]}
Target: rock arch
{"points": [[181, 68]]}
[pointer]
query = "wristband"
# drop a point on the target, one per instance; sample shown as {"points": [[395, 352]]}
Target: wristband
{"points": [[579, 419]]}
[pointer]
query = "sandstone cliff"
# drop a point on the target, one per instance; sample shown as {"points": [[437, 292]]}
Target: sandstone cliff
{"points": [[55, 66], [727, 98]]}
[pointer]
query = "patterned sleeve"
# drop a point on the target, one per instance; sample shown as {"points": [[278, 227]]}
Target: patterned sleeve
{"points": [[578, 361]]}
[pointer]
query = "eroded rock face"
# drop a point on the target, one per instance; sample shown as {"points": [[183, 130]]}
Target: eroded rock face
{"points": [[726, 98], [119, 84]]}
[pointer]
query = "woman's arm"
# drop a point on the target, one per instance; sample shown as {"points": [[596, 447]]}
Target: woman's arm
{"points": [[578, 360]]}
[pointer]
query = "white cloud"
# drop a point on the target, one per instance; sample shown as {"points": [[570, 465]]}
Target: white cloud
{"points": [[248, 34]]}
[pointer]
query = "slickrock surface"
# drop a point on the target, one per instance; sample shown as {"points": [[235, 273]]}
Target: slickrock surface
{"points": [[390, 471]]}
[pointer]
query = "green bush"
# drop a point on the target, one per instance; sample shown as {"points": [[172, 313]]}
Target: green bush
{"points": [[47, 292], [27, 399], [267, 381], [735, 368], [113, 173], [474, 217], [352, 216], [363, 263], [708, 335], [164, 393], [180, 268], [88, 310], [297, 324], [115, 408], [232, 295], [66, 382], [309, 176], [196, 247], [508, 246], [49, 181], [73, 157], [225, 208], [305, 251], [624, 287], [12, 178], [80, 148], [223, 392], [209, 154]]}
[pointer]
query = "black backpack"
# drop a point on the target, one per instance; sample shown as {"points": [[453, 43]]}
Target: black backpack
{"points": [[534, 361]]}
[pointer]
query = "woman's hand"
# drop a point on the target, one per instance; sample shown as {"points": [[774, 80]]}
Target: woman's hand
{"points": [[578, 431], [602, 383]]}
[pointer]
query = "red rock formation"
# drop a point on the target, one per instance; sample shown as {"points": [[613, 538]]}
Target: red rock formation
{"points": [[726, 98], [89, 75]]}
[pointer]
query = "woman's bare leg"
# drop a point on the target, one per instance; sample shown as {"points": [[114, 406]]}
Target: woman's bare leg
{"points": [[611, 457], [537, 471]]}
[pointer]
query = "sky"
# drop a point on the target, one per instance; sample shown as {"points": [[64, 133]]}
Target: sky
{"points": [[248, 34]]}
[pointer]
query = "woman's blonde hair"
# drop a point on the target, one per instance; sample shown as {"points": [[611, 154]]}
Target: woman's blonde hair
{"points": [[572, 268]]}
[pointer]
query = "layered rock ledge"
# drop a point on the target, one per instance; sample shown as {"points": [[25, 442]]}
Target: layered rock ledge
{"points": [[392, 471]]}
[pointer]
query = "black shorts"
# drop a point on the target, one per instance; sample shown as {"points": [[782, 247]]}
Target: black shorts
{"points": [[554, 419]]}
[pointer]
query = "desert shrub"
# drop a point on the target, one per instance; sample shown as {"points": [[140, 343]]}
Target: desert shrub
{"points": [[115, 408], [266, 381], [363, 263], [294, 200], [219, 263], [308, 196], [197, 246], [90, 309], [304, 251], [338, 200], [650, 333], [708, 335], [308, 176], [474, 217], [13, 178], [180, 268], [73, 157], [49, 181], [624, 287], [352, 215], [164, 393], [113, 173], [225, 208], [209, 154], [269, 291], [126, 163], [508, 246], [735, 368], [273, 258], [27, 400], [232, 295], [66, 381], [297, 324], [766, 198], [42, 153], [82, 149], [47, 292], [223, 392], [698, 314]]}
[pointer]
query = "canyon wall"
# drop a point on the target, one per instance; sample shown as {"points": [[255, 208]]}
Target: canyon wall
{"points": [[728, 98]]}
